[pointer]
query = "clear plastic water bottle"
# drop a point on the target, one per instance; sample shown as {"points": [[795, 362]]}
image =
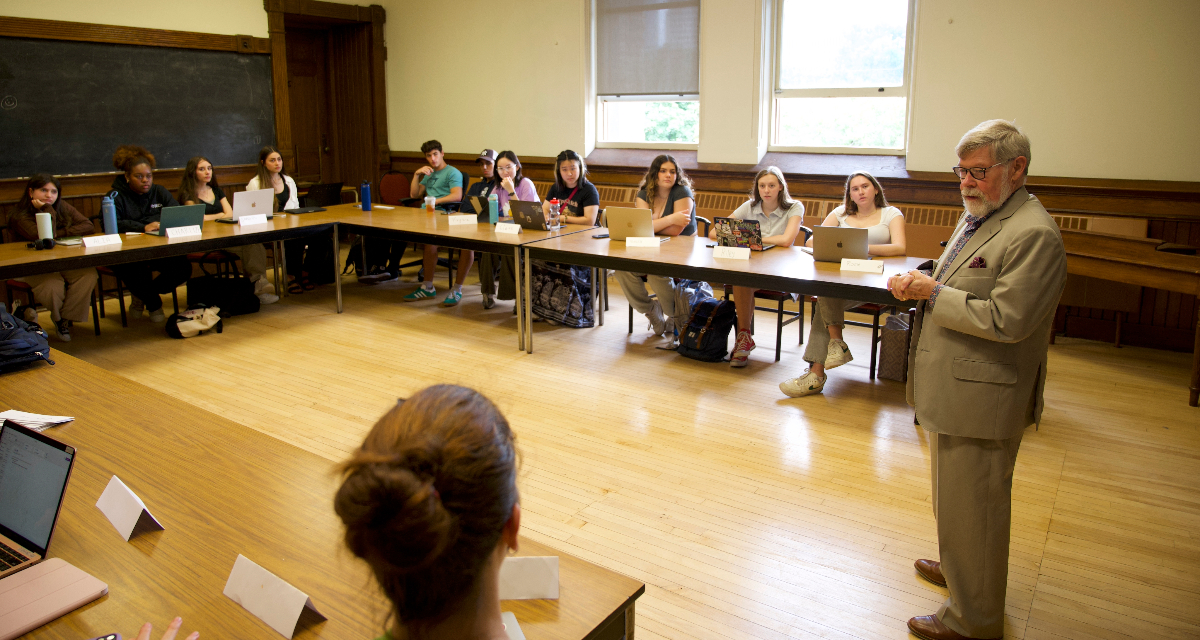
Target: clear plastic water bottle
{"points": [[554, 211], [108, 213], [366, 195], [493, 208]]}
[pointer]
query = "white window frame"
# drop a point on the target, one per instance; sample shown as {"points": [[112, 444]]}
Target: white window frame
{"points": [[857, 92], [601, 115]]}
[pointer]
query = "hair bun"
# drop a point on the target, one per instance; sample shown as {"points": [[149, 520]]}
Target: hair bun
{"points": [[127, 155]]}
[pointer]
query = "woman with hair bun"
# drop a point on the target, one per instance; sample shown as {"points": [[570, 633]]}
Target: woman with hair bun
{"points": [[139, 203], [430, 503]]}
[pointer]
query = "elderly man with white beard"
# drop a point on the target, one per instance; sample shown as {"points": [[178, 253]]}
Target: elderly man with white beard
{"points": [[977, 367]]}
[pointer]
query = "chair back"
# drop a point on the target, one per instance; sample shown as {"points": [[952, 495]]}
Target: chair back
{"points": [[394, 187], [324, 195]]}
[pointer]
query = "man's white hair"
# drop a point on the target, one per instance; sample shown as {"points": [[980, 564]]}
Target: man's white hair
{"points": [[1004, 138]]}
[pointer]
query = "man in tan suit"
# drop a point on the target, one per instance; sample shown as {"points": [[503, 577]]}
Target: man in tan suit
{"points": [[977, 369]]}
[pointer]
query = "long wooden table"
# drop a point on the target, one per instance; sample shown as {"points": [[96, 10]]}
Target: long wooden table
{"points": [[1137, 261], [221, 489], [780, 269]]}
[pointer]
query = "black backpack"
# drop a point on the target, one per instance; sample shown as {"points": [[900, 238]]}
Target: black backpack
{"points": [[233, 294], [21, 342], [707, 333]]}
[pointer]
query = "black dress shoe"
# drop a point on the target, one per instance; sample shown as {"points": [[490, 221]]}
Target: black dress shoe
{"points": [[931, 570]]}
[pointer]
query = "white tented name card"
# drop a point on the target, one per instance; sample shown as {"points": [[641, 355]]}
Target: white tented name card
{"points": [[511, 628], [468, 218], [101, 241], [124, 509], [184, 232], [508, 227], [651, 242], [246, 221], [866, 266], [267, 596], [529, 578], [732, 253]]}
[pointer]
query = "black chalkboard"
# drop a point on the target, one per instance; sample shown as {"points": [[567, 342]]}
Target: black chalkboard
{"points": [[66, 106]]}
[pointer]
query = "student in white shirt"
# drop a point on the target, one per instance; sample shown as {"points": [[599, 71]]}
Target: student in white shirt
{"points": [[779, 218], [864, 207]]}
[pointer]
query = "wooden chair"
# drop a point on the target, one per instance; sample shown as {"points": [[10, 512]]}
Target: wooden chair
{"points": [[23, 288], [779, 297], [870, 309], [700, 220]]}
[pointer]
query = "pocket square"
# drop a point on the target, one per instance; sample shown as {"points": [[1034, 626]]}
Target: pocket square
{"points": [[977, 263]]}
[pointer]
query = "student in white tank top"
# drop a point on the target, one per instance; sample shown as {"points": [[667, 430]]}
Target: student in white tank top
{"points": [[863, 207]]}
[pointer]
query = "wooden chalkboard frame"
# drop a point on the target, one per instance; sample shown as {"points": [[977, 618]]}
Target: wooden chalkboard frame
{"points": [[113, 34]]}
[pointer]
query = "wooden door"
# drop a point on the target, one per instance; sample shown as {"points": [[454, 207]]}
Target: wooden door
{"points": [[308, 87]]}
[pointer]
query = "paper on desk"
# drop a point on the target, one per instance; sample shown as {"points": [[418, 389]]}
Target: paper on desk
{"points": [[267, 596], [34, 421], [123, 508], [511, 628], [529, 578]]}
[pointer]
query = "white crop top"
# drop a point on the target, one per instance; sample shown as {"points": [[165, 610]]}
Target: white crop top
{"points": [[877, 234]]}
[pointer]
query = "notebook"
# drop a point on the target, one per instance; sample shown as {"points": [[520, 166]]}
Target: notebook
{"points": [[183, 216], [34, 469], [732, 232]]}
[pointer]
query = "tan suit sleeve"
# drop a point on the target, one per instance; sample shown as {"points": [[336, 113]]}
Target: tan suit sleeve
{"points": [[1025, 291]]}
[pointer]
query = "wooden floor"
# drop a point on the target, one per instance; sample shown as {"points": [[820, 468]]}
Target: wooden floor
{"points": [[747, 514]]}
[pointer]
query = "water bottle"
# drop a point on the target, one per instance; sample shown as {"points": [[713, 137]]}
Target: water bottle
{"points": [[108, 213], [365, 195], [493, 209], [554, 209]]}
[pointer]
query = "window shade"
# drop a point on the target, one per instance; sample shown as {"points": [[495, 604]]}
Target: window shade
{"points": [[647, 47]]}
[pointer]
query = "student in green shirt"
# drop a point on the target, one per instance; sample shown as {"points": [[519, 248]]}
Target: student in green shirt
{"points": [[444, 182]]}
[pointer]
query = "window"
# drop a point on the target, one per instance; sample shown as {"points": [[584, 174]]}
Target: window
{"points": [[842, 75], [648, 73]]}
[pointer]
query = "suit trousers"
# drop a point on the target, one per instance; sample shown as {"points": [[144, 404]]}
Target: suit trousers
{"points": [[972, 503], [830, 312]]}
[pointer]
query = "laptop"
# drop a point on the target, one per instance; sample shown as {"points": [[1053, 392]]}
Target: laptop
{"points": [[623, 222], [34, 470], [182, 216], [249, 203], [831, 244], [529, 215], [732, 232]]}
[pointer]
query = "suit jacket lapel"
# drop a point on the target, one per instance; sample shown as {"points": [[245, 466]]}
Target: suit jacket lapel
{"points": [[990, 227]]}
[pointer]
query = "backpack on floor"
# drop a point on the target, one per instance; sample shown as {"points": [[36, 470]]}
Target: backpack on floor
{"points": [[196, 320], [706, 336], [21, 342], [232, 294]]}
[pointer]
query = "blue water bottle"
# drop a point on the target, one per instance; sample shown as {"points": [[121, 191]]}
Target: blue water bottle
{"points": [[493, 209], [366, 195], [108, 212]]}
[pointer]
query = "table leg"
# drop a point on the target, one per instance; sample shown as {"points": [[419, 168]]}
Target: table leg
{"points": [[519, 301], [629, 621], [603, 275], [528, 305], [281, 257], [277, 249], [1194, 399], [337, 272], [594, 305]]}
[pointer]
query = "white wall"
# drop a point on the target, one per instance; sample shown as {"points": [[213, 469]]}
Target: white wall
{"points": [[503, 76], [1104, 88], [226, 17], [733, 75]]}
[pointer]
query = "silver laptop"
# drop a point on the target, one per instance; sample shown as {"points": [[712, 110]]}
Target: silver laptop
{"points": [[182, 216], [623, 222], [249, 203], [34, 470], [831, 244]]}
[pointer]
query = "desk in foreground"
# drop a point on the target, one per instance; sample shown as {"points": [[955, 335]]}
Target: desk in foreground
{"points": [[221, 489]]}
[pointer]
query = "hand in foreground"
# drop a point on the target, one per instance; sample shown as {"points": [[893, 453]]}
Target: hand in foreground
{"points": [[913, 285], [172, 629], [153, 226]]}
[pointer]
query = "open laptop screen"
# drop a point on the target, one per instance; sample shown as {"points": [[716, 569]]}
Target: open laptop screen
{"points": [[33, 477]]}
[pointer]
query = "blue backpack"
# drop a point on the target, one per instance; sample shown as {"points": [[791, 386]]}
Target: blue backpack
{"points": [[21, 342]]}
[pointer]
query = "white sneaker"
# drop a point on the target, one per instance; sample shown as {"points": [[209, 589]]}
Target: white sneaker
{"points": [[63, 328], [805, 385], [838, 355], [658, 322], [158, 316], [136, 308], [267, 298]]}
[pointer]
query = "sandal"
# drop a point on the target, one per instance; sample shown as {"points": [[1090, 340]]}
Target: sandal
{"points": [[307, 283], [296, 286]]}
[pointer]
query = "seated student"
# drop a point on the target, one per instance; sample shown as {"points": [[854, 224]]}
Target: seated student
{"points": [[863, 207], [665, 190], [309, 260], [513, 186], [444, 182], [430, 502], [199, 186], [779, 218], [139, 204], [562, 293], [67, 294]]}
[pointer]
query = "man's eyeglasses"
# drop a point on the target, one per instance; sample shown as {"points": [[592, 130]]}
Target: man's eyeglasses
{"points": [[976, 172]]}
